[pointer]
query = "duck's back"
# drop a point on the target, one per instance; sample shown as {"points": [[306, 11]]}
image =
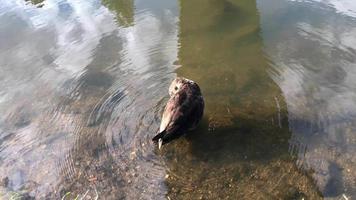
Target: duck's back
{"points": [[182, 113]]}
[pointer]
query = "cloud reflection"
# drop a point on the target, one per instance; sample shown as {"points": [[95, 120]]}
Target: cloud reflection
{"points": [[52, 60], [345, 7]]}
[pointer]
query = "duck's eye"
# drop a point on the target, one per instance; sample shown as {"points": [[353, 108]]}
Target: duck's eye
{"points": [[175, 88]]}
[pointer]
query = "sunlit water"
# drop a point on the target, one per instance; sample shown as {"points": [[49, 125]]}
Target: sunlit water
{"points": [[83, 85]]}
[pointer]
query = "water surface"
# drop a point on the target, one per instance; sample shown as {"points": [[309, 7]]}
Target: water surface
{"points": [[84, 83]]}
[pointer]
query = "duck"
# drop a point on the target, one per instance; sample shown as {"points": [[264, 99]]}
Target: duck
{"points": [[183, 111]]}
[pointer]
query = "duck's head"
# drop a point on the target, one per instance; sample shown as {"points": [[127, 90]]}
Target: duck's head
{"points": [[179, 83]]}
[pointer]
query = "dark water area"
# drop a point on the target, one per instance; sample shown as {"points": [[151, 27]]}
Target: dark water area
{"points": [[83, 85]]}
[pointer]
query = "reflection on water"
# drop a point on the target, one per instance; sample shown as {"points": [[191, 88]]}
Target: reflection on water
{"points": [[39, 3], [70, 77], [241, 148], [313, 54], [83, 85], [124, 10]]}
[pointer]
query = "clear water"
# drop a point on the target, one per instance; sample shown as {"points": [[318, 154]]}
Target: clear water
{"points": [[83, 85]]}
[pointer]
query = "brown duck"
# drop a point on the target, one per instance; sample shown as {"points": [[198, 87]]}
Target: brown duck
{"points": [[183, 111]]}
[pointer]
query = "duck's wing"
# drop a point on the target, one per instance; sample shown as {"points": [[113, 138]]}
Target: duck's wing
{"points": [[197, 112], [175, 116]]}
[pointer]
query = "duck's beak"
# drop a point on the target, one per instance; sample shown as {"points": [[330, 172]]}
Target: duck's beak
{"points": [[160, 143]]}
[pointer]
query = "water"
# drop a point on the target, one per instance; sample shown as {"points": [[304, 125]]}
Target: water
{"points": [[84, 83]]}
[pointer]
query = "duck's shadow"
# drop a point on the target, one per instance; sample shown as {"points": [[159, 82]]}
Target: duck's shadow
{"points": [[243, 139]]}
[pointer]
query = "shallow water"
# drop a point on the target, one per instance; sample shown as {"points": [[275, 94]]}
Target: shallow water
{"points": [[84, 83]]}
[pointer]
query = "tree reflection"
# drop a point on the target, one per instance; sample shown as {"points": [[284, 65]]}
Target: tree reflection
{"points": [[38, 3], [124, 10], [240, 150]]}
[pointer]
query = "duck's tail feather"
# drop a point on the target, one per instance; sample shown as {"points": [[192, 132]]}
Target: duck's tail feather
{"points": [[158, 136]]}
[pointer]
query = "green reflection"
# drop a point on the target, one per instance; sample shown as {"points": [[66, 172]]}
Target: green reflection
{"points": [[240, 150], [222, 51], [38, 3], [124, 10]]}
